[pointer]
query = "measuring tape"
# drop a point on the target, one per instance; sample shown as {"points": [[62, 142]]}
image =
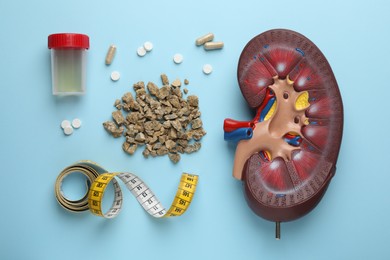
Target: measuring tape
{"points": [[98, 179]]}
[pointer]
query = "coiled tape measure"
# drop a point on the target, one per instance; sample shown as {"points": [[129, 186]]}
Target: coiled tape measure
{"points": [[98, 179]]}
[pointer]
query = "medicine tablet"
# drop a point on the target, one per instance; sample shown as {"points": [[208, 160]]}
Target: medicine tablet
{"points": [[141, 51], [115, 76], [110, 54], [178, 58], [65, 123], [205, 38], [148, 46], [213, 45], [207, 69], [68, 130], [76, 123]]}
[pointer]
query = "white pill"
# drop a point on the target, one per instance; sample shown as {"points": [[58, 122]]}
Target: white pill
{"points": [[68, 130], [148, 46], [177, 58], [76, 123], [115, 76], [141, 51], [65, 123], [207, 69]]}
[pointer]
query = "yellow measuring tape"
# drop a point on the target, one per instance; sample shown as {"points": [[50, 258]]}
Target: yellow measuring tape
{"points": [[98, 179]]}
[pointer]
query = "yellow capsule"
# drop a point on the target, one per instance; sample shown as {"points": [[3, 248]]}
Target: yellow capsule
{"points": [[213, 45], [110, 54], [205, 38]]}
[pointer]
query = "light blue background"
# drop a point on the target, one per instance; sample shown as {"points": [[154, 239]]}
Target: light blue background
{"points": [[351, 222]]}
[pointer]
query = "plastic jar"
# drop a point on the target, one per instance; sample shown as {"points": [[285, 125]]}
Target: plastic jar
{"points": [[68, 62]]}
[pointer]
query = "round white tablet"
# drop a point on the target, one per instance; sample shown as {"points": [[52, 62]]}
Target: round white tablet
{"points": [[141, 51], [65, 123], [148, 46], [207, 69], [115, 76], [76, 123], [68, 130], [178, 58]]}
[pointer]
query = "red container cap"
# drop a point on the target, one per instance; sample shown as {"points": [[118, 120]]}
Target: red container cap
{"points": [[68, 40]]}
